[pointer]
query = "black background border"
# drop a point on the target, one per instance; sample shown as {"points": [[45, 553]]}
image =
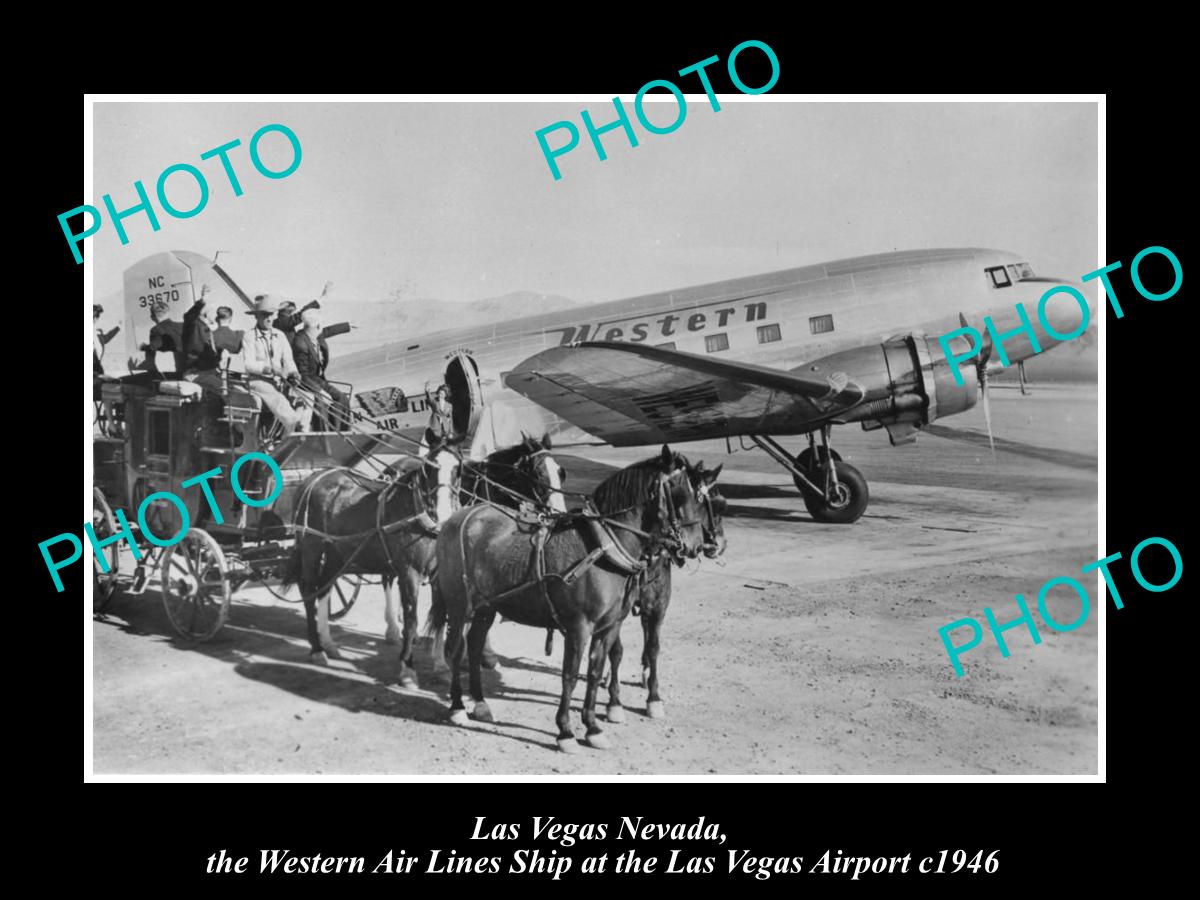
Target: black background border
{"points": [[158, 835]]}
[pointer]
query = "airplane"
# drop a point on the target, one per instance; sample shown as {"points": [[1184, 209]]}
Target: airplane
{"points": [[782, 354]]}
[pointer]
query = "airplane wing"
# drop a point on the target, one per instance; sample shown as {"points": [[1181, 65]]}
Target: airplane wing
{"points": [[629, 394]]}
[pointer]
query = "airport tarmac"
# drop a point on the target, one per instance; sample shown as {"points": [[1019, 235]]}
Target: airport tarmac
{"points": [[807, 649]]}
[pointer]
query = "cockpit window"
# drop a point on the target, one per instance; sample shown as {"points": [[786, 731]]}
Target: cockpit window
{"points": [[1021, 271], [999, 276]]}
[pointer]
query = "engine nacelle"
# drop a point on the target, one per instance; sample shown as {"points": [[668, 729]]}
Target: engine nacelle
{"points": [[908, 383]]}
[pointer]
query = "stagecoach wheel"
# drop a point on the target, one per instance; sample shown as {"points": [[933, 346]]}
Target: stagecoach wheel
{"points": [[807, 461], [104, 585], [195, 585], [848, 501], [343, 594]]}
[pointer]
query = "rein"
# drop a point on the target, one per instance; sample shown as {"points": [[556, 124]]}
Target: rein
{"points": [[380, 530], [524, 468]]}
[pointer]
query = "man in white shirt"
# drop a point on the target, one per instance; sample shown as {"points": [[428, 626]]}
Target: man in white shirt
{"points": [[269, 363]]}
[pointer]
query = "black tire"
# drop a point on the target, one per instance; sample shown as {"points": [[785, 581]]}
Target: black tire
{"points": [[849, 503], [806, 462]]}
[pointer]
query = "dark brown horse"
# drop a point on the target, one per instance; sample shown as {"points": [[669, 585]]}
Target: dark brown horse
{"points": [[579, 576], [346, 522], [655, 597]]}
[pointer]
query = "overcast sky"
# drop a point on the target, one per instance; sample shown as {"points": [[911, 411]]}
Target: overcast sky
{"points": [[454, 200]]}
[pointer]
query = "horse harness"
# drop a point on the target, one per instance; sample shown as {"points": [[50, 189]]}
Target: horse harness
{"points": [[422, 519], [526, 467], [607, 549]]}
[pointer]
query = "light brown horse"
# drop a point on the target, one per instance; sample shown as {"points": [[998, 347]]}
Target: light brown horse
{"points": [[578, 577], [346, 522]]}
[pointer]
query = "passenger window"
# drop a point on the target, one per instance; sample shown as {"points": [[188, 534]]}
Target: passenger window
{"points": [[999, 276], [821, 324], [768, 333], [715, 343], [159, 433]]}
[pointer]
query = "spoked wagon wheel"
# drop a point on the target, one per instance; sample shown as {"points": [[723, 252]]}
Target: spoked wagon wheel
{"points": [[104, 585], [343, 594], [195, 585]]}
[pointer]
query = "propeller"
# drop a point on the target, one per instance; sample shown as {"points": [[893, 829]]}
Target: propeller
{"points": [[981, 373]]}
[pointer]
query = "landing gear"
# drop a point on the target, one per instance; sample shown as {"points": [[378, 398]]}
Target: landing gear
{"points": [[833, 491], [845, 500]]}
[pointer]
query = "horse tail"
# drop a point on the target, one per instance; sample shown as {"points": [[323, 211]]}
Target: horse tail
{"points": [[437, 615]]}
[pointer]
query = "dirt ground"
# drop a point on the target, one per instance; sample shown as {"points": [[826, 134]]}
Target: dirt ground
{"points": [[808, 649]]}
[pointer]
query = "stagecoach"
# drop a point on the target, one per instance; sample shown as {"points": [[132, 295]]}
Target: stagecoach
{"points": [[152, 436]]}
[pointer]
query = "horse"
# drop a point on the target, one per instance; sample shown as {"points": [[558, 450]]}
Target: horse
{"points": [[579, 576], [655, 597], [346, 521], [526, 470]]}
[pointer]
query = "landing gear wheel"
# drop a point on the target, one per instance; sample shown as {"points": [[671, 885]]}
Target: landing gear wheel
{"points": [[343, 594], [849, 500], [104, 584], [195, 585], [807, 461]]}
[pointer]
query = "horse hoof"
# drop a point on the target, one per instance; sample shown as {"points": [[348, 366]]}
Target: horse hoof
{"points": [[394, 636], [318, 658], [598, 741], [568, 745], [489, 662], [333, 653], [408, 679], [458, 717], [616, 714], [655, 709], [482, 712]]}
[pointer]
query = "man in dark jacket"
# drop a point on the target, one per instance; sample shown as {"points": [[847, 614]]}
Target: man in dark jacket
{"points": [[287, 319], [311, 354], [203, 359], [166, 336]]}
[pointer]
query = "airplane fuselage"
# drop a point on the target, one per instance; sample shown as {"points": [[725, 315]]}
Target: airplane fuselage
{"points": [[780, 319]]}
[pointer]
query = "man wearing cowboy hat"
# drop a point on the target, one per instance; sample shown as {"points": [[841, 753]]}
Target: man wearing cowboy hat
{"points": [[269, 363]]}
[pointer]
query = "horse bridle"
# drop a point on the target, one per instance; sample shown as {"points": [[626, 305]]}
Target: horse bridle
{"points": [[704, 492], [672, 538], [528, 466], [424, 496]]}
